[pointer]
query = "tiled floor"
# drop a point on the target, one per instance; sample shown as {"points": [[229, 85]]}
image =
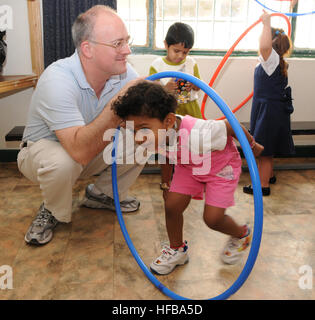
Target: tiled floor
{"points": [[89, 259]]}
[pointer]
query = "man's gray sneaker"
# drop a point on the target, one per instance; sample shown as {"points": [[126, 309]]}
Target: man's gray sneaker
{"points": [[41, 229], [102, 201]]}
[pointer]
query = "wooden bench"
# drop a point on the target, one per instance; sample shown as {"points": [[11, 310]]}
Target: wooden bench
{"points": [[298, 128], [15, 134], [303, 128], [305, 150]]}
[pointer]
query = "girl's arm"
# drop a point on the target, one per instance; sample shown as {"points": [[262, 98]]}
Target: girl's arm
{"points": [[166, 172], [166, 177], [256, 147], [189, 86], [265, 41], [171, 84]]}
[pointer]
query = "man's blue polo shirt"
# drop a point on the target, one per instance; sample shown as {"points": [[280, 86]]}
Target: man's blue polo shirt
{"points": [[63, 98]]}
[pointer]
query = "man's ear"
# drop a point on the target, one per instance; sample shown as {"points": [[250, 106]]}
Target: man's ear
{"points": [[86, 49]]}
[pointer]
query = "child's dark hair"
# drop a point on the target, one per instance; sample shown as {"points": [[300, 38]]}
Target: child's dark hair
{"points": [[148, 99], [281, 43], [180, 33]]}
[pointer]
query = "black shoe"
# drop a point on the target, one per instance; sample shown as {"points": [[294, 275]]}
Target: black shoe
{"points": [[249, 190], [273, 180]]}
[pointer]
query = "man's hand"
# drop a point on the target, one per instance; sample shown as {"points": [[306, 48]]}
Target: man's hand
{"points": [[83, 143], [131, 83]]}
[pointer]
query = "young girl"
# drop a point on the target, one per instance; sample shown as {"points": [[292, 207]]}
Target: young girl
{"points": [[178, 42], [272, 103], [206, 163]]}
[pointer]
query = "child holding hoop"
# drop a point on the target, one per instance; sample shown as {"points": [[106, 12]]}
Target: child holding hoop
{"points": [[178, 42], [207, 163], [272, 102]]}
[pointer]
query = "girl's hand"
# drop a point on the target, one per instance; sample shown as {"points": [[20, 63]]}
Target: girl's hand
{"points": [[265, 41], [189, 86], [265, 18], [171, 86], [257, 149]]}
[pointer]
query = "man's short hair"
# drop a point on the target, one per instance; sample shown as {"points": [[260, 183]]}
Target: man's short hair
{"points": [[82, 28]]}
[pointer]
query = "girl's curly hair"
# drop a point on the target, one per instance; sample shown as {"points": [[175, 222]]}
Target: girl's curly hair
{"points": [[146, 98]]}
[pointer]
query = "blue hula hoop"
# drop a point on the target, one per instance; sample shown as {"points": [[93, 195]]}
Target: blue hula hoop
{"points": [[289, 14], [258, 204]]}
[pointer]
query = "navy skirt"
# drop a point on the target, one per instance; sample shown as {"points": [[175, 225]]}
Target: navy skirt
{"points": [[271, 126]]}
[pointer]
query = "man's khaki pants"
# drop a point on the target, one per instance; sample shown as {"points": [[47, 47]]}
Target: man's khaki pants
{"points": [[46, 162]]}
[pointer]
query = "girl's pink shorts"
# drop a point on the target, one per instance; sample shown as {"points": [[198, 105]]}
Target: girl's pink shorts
{"points": [[218, 188]]}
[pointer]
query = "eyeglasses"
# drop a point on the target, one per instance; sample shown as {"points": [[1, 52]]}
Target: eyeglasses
{"points": [[118, 44]]}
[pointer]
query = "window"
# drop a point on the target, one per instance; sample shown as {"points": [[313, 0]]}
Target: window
{"points": [[134, 13], [216, 23], [305, 26]]}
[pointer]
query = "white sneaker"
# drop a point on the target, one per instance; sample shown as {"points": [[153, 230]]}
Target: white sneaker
{"points": [[169, 259], [234, 249], [41, 230]]}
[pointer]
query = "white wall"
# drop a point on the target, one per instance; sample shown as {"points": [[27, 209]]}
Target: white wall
{"points": [[233, 85], [13, 108]]}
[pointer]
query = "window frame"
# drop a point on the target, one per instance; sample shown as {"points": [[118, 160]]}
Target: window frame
{"points": [[150, 49]]}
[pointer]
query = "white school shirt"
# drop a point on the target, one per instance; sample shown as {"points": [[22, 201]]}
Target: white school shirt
{"points": [[271, 63], [187, 66]]}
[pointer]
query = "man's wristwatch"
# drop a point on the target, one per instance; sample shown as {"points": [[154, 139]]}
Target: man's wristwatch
{"points": [[164, 186]]}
